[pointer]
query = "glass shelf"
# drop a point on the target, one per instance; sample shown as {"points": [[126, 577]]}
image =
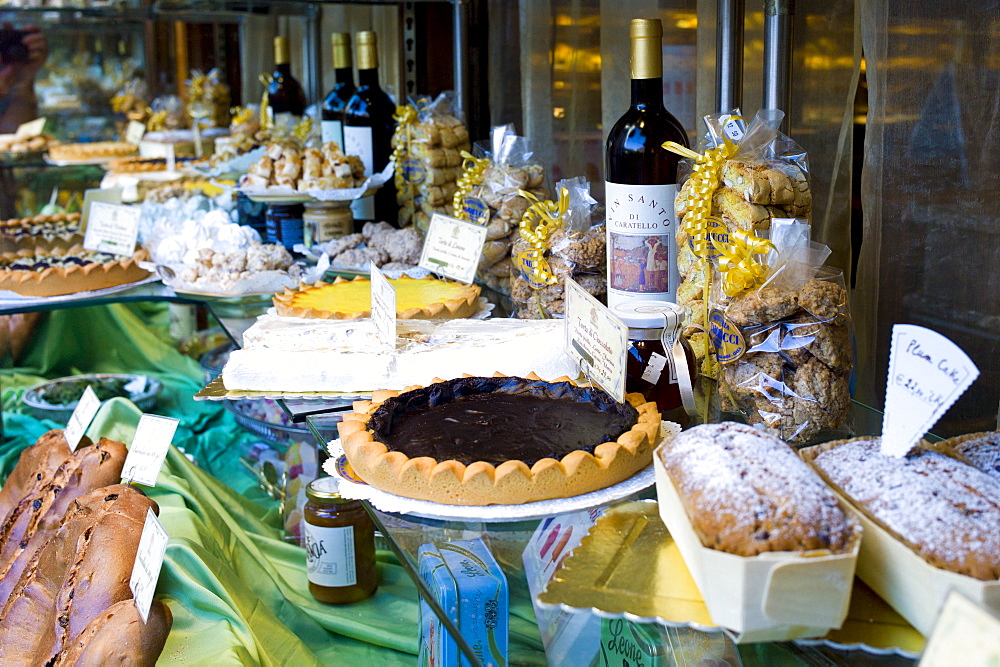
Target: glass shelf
{"points": [[405, 534]]}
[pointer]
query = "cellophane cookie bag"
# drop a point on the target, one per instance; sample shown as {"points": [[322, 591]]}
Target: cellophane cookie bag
{"points": [[785, 348], [493, 192], [559, 240], [427, 149], [743, 178]]}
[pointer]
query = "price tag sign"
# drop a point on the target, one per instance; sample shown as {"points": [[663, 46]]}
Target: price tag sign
{"points": [[734, 127], [134, 132], [596, 340], [148, 449], [171, 158], [109, 195], [32, 128], [927, 374], [452, 247], [112, 228], [83, 414], [148, 561], [965, 634], [383, 307]]}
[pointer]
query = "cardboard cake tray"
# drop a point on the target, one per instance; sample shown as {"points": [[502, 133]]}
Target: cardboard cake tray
{"points": [[773, 596], [912, 586], [629, 566], [216, 391]]}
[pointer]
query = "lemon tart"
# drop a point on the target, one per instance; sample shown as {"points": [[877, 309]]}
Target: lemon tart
{"points": [[498, 440], [416, 299]]}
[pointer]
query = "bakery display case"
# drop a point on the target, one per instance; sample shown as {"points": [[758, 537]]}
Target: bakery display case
{"points": [[740, 517]]}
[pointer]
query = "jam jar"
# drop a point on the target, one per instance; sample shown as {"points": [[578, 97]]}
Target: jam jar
{"points": [[650, 366], [325, 221], [284, 224], [339, 538]]}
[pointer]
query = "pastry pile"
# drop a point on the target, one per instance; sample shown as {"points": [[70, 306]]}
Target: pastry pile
{"points": [[325, 168]]}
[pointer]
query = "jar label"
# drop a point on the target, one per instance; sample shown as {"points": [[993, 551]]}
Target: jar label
{"points": [[330, 555], [726, 338]]}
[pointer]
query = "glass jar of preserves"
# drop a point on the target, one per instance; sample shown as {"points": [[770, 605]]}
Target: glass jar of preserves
{"points": [[325, 221], [651, 368], [284, 224], [339, 538]]}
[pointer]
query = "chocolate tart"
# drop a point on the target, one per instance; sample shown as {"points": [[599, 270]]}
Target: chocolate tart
{"points": [[500, 440], [416, 299], [51, 273]]}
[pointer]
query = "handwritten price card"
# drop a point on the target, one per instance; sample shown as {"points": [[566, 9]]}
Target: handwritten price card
{"points": [[383, 307], [148, 561], [596, 340], [453, 247], [148, 449], [927, 374], [84, 413], [112, 228]]}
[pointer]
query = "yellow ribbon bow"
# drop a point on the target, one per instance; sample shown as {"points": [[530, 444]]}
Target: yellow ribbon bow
{"points": [[472, 175], [537, 224], [265, 116], [739, 268], [303, 129]]}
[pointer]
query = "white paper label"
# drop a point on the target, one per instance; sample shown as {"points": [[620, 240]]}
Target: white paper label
{"points": [[642, 254], [112, 228], [452, 247], [332, 130], [148, 449], [83, 414], [32, 128], [148, 561], [927, 374], [329, 555], [109, 195], [734, 127], [965, 634], [383, 307], [654, 369], [134, 132], [171, 158], [358, 141], [596, 340]]}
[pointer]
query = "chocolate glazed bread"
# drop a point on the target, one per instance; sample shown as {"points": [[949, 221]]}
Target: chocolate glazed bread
{"points": [[45, 456], [30, 523], [119, 637], [76, 576]]}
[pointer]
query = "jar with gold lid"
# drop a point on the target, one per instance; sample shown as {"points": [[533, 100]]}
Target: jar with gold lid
{"points": [[339, 538]]}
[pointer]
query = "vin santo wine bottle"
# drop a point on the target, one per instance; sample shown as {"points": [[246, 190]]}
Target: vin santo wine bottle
{"points": [[368, 128], [332, 124], [642, 181], [284, 94]]}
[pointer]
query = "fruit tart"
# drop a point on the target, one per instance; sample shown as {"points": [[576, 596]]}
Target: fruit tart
{"points": [[52, 273]]}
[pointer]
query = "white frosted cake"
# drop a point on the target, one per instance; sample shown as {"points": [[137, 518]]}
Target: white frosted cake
{"points": [[294, 355]]}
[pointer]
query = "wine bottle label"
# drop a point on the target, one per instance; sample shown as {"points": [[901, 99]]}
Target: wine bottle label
{"points": [[332, 130], [642, 254], [358, 141], [329, 555]]}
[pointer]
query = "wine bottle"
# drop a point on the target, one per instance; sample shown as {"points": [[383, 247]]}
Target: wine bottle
{"points": [[641, 181], [332, 124], [284, 94], [368, 128]]}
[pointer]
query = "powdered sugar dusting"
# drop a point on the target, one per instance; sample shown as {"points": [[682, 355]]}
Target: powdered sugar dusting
{"points": [[949, 512], [747, 492], [983, 452]]}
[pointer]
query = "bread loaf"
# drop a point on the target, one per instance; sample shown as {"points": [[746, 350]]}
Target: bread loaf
{"points": [[980, 450], [945, 510], [42, 509], [82, 570], [119, 637], [747, 492], [48, 452]]}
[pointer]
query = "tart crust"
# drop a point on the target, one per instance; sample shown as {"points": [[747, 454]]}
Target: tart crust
{"points": [[17, 234], [512, 482], [462, 302], [58, 280]]}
